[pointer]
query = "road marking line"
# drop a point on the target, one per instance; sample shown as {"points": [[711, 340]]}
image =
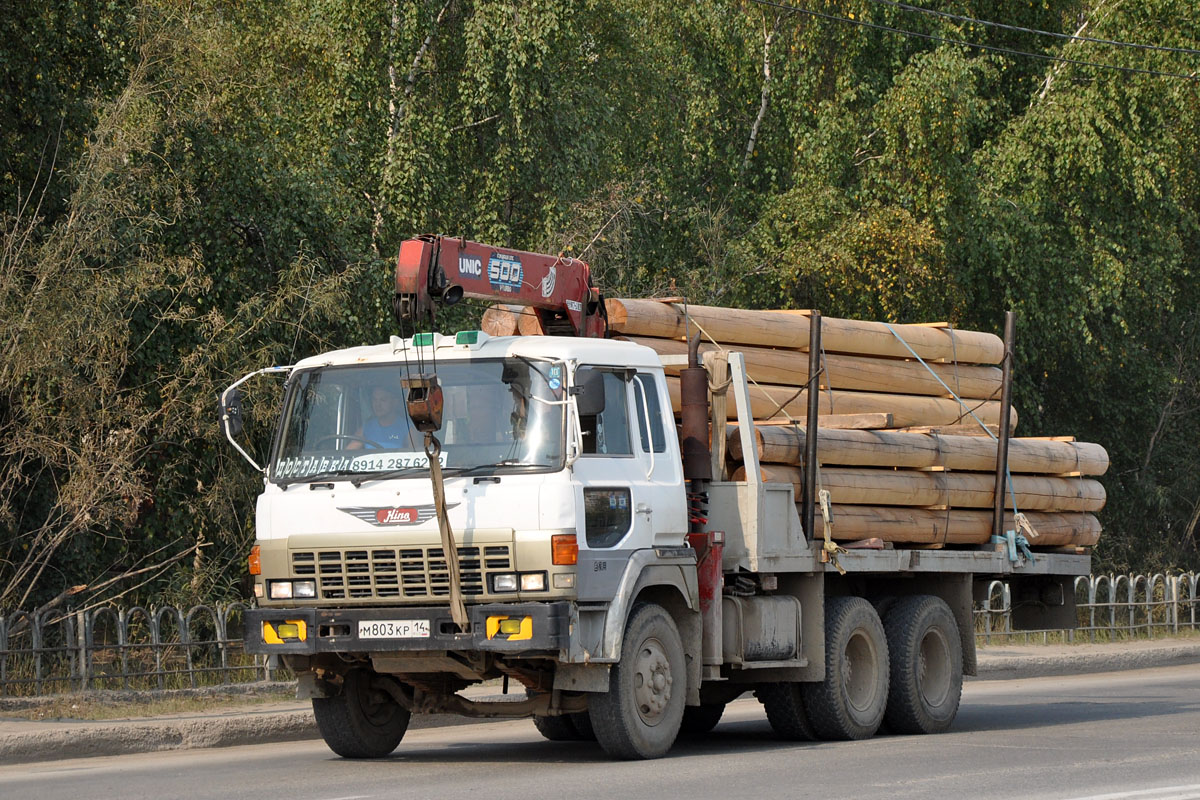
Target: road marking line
{"points": [[1189, 792]]}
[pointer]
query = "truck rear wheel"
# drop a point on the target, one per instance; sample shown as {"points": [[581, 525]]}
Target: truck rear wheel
{"points": [[850, 702], [926, 665], [784, 704], [363, 721], [640, 715]]}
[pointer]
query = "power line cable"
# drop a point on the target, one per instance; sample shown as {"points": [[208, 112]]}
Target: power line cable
{"points": [[961, 43], [1019, 29]]}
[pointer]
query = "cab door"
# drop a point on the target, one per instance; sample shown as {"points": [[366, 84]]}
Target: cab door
{"points": [[627, 479]]}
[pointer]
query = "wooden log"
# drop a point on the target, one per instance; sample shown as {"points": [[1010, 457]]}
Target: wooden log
{"points": [[929, 526], [887, 487], [529, 323], [500, 320], [780, 329], [785, 445], [971, 428], [859, 373], [858, 422], [781, 402]]}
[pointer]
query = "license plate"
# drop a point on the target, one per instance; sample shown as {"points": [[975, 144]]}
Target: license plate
{"points": [[393, 629]]}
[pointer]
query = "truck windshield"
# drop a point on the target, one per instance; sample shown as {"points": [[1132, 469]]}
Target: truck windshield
{"points": [[351, 422]]}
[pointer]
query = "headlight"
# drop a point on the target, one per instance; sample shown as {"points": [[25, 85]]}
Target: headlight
{"points": [[533, 581], [504, 582], [304, 588], [279, 590]]}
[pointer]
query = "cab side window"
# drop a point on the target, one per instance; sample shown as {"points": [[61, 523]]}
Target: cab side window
{"points": [[607, 433], [645, 400]]}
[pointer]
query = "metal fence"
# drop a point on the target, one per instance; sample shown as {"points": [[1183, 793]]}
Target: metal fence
{"points": [[1109, 606], [167, 648], [125, 648]]}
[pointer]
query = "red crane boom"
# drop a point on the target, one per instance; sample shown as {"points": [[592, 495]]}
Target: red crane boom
{"points": [[559, 289]]}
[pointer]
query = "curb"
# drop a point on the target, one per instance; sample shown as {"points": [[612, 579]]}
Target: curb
{"points": [[66, 741], [127, 738]]}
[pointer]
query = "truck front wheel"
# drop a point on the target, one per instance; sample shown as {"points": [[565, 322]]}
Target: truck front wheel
{"points": [[640, 715], [850, 702], [363, 721], [575, 727], [926, 656]]}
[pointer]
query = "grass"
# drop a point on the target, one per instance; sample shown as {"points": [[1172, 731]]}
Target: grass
{"points": [[999, 639], [112, 705]]}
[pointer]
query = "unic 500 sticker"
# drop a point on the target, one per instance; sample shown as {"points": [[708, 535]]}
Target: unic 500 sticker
{"points": [[504, 272]]}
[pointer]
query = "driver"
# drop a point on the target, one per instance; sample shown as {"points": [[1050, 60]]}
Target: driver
{"points": [[389, 428]]}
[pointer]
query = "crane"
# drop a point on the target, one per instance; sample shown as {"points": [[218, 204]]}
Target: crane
{"points": [[441, 268]]}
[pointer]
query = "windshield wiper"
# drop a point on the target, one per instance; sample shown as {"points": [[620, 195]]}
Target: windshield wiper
{"points": [[384, 475], [508, 462]]}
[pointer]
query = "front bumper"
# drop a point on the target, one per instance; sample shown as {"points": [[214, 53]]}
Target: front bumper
{"points": [[543, 627]]}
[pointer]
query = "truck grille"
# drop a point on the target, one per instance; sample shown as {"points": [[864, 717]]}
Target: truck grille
{"points": [[397, 573]]}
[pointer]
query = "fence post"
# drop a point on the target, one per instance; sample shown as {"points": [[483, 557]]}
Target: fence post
{"points": [[3, 654], [223, 640], [81, 649], [35, 639]]}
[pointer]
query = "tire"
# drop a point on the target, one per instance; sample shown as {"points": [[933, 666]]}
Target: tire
{"points": [[582, 722], [926, 665], [363, 721], [575, 727], [557, 729], [850, 702], [784, 704], [701, 719], [640, 714]]}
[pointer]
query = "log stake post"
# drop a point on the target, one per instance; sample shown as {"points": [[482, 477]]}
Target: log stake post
{"points": [[810, 436], [1005, 428]]}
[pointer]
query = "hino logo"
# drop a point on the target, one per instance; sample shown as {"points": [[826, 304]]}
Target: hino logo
{"points": [[385, 516], [471, 267]]}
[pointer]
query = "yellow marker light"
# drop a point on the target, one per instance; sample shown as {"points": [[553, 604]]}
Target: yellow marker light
{"points": [[253, 561], [510, 628], [289, 629]]}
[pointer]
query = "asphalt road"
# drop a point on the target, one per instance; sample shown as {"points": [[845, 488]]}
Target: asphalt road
{"points": [[1115, 735]]}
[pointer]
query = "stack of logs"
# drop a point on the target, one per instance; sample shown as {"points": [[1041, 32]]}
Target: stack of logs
{"points": [[902, 459]]}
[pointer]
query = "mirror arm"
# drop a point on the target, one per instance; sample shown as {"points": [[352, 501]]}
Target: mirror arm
{"points": [[225, 416]]}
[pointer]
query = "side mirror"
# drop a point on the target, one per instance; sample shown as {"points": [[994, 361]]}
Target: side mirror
{"points": [[589, 392], [230, 413]]}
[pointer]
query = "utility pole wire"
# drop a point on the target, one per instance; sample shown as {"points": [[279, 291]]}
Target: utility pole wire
{"points": [[1004, 50]]}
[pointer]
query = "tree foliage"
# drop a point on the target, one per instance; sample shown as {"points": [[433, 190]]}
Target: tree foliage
{"points": [[193, 191]]}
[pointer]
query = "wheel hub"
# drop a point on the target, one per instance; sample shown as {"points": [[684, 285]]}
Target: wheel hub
{"points": [[652, 681]]}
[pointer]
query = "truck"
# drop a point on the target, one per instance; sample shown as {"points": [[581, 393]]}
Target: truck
{"points": [[444, 510]]}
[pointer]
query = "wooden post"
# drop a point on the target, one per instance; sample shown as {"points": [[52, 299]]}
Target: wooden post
{"points": [[1002, 441]]}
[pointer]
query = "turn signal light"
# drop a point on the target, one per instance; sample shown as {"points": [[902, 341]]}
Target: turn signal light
{"points": [[253, 561], [564, 549]]}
